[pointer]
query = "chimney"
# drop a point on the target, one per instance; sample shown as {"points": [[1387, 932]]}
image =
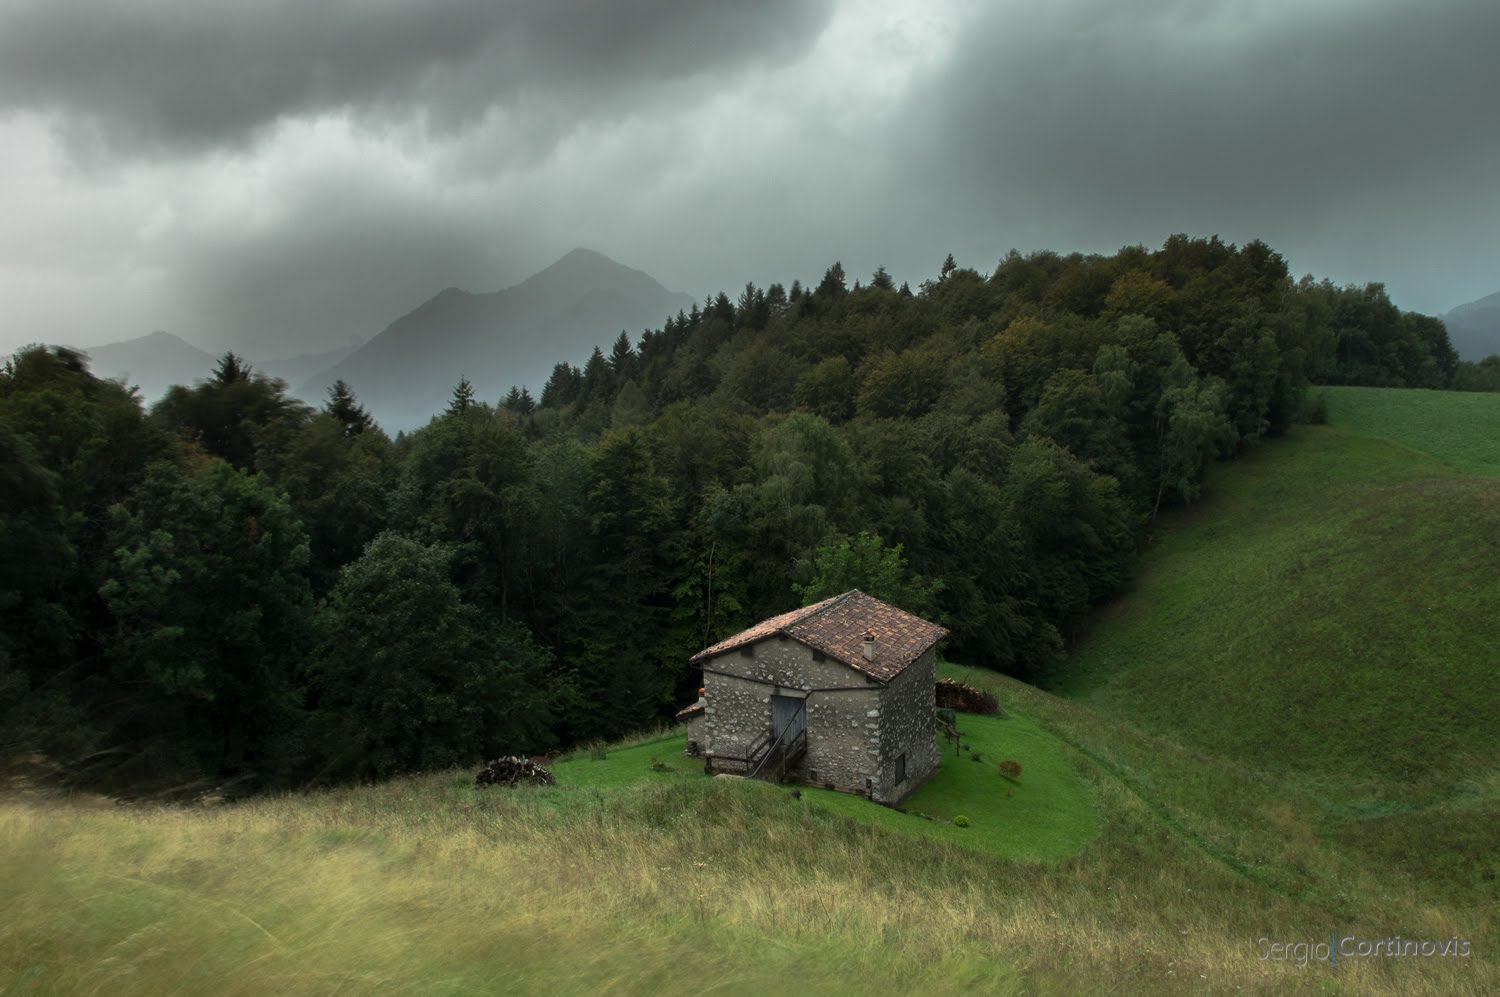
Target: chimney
{"points": [[869, 645]]}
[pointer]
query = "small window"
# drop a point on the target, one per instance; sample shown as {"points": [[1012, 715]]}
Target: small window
{"points": [[900, 769], [819, 656], [748, 651]]}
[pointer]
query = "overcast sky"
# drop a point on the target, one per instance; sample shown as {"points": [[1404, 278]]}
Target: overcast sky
{"points": [[279, 176]]}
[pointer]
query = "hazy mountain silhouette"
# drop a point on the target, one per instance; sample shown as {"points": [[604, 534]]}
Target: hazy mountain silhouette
{"points": [[299, 370], [156, 362], [406, 374], [153, 363], [1474, 329]]}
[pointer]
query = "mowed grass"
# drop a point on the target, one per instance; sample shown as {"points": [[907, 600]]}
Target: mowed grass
{"points": [[1047, 814], [1459, 428], [1328, 615]]}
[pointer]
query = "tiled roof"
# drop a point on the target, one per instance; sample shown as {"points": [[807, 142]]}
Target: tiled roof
{"points": [[690, 711], [837, 628], [764, 628]]}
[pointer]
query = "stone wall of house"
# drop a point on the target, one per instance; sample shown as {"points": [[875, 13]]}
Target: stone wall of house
{"points": [[843, 708], [843, 738], [856, 728], [695, 735], [907, 728]]}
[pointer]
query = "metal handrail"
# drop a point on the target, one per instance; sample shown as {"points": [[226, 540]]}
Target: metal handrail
{"points": [[792, 751], [772, 748]]}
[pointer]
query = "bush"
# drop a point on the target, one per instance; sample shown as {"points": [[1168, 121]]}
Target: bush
{"points": [[961, 821], [976, 756], [1010, 768]]}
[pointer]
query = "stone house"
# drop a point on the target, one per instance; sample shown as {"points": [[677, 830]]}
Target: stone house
{"points": [[838, 694]]}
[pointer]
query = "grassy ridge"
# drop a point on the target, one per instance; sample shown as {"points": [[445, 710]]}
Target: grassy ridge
{"points": [[1333, 621], [1459, 428]]}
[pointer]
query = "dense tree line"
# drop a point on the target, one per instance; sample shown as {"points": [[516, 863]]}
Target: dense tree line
{"points": [[235, 582]]}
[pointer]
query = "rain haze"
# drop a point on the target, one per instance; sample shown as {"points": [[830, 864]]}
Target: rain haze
{"points": [[282, 177]]}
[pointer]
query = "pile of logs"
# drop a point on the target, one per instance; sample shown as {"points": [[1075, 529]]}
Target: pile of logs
{"points": [[513, 771], [964, 698]]}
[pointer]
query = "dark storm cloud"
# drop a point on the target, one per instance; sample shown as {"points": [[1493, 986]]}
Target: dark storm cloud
{"points": [[181, 75], [279, 176], [1108, 123]]}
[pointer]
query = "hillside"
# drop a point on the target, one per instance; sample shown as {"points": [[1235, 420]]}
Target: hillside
{"points": [[1329, 612], [1460, 429], [1474, 328], [625, 878], [499, 339]]}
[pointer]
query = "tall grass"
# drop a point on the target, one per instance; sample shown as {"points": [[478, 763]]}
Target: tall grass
{"points": [[425, 885]]}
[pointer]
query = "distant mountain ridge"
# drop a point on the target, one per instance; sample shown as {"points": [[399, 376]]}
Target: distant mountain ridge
{"points": [[155, 362], [295, 370], [1474, 328], [498, 339]]}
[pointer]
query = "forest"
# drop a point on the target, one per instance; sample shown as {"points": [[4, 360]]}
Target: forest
{"points": [[235, 586]]}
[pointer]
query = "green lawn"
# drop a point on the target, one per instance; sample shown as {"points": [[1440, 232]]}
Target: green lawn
{"points": [[1047, 814], [628, 763], [1460, 428]]}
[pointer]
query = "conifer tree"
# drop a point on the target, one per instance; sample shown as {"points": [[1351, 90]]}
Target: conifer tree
{"points": [[344, 406], [622, 359], [833, 284], [463, 397]]}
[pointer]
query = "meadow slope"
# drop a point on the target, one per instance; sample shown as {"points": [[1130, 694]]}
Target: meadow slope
{"points": [[1327, 615]]}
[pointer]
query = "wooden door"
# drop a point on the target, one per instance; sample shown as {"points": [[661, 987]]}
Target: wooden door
{"points": [[788, 717]]}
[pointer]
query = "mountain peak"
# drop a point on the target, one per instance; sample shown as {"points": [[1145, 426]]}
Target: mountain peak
{"points": [[153, 362], [582, 254], [496, 339], [156, 337], [584, 270]]}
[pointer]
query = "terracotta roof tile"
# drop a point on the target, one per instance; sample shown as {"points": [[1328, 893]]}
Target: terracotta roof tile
{"points": [[837, 627], [690, 711], [764, 628]]}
